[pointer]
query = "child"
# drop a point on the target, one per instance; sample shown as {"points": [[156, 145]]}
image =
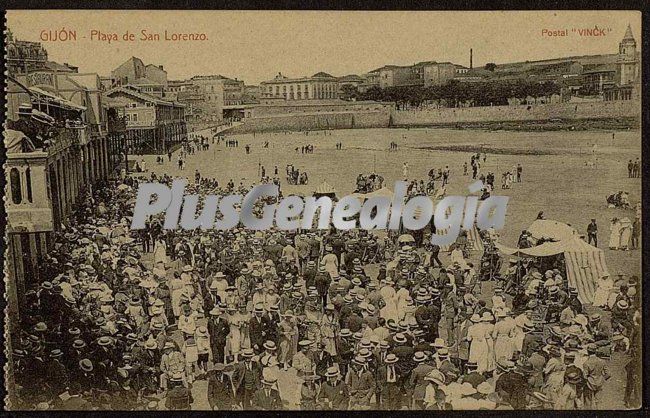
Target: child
{"points": [[190, 351], [203, 348]]}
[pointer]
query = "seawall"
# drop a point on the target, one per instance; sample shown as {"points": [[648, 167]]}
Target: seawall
{"points": [[520, 113], [589, 115], [312, 122]]}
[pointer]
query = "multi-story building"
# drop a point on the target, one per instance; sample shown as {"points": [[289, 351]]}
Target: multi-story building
{"points": [[156, 73], [251, 94], [370, 80], [153, 125], [58, 143], [319, 86], [176, 86], [398, 76], [193, 100], [433, 73], [24, 56], [351, 81], [597, 78], [212, 89], [150, 79], [233, 92], [627, 80]]}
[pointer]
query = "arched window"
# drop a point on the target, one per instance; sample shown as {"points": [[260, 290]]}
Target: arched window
{"points": [[28, 180], [16, 188]]}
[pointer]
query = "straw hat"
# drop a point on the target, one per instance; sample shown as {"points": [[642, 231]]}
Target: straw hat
{"points": [[104, 340], [391, 358], [436, 377], [332, 372], [438, 343], [359, 359], [484, 388], [86, 365], [419, 357]]}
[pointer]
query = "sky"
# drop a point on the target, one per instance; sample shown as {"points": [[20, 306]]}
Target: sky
{"points": [[255, 45]]}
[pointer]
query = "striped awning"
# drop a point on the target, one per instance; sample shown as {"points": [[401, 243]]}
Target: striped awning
{"points": [[325, 188], [473, 236], [585, 264]]}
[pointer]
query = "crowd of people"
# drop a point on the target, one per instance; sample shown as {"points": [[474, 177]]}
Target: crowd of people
{"points": [[295, 176], [126, 319], [367, 183], [634, 168]]}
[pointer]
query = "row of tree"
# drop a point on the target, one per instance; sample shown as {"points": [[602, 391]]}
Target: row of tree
{"points": [[456, 94]]}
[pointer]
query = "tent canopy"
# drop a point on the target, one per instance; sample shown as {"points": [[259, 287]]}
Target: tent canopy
{"points": [[473, 236], [585, 264], [383, 192], [16, 142], [324, 189], [554, 230], [58, 99]]}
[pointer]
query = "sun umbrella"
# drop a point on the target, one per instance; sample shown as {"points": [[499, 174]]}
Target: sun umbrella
{"points": [[404, 238]]}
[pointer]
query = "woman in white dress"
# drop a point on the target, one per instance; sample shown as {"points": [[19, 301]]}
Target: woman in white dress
{"points": [[478, 349], [503, 335], [488, 329], [605, 285], [159, 252], [330, 262], [626, 233], [615, 236], [234, 338]]}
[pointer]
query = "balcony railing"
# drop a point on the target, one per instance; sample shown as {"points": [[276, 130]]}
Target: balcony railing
{"points": [[116, 125]]}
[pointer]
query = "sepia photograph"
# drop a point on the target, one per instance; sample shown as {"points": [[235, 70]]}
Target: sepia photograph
{"points": [[322, 210]]}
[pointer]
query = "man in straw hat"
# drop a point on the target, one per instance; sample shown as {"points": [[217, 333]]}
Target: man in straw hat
{"points": [[247, 377], [361, 383], [334, 393], [434, 397], [267, 397], [389, 383], [179, 397]]}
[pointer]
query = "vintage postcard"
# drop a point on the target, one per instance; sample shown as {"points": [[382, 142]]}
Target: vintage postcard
{"points": [[322, 210]]}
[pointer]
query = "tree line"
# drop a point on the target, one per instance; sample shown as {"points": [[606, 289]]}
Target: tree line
{"points": [[456, 93]]}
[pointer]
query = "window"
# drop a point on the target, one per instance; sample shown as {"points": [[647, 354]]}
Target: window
{"points": [[16, 187], [135, 117], [28, 180]]}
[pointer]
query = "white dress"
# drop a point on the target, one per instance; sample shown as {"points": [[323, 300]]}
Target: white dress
{"points": [[615, 237], [160, 252], [503, 334], [601, 295], [626, 233], [331, 264], [478, 349]]}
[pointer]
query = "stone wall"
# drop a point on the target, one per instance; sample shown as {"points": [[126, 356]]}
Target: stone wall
{"points": [[538, 112], [311, 122], [303, 107], [444, 116]]}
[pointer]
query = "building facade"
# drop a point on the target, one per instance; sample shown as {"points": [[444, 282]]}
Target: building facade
{"points": [[627, 80], [53, 155], [319, 86], [24, 56], [150, 79], [153, 126], [437, 73]]}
